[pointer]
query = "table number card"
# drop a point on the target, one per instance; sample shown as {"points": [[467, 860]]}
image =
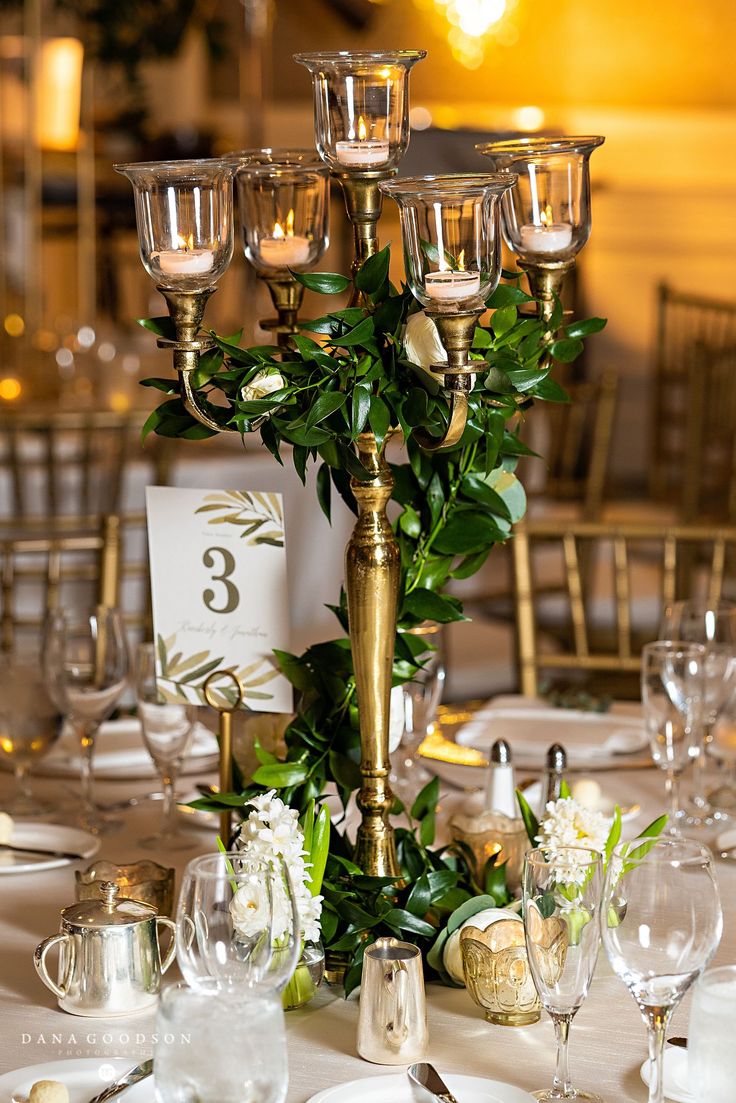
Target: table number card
{"points": [[218, 581]]}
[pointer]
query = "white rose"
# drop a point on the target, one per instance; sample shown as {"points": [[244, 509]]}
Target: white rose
{"points": [[263, 384], [452, 957], [422, 343]]}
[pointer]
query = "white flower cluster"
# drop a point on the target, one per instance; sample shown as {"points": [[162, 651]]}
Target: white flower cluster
{"points": [[272, 830], [566, 823]]}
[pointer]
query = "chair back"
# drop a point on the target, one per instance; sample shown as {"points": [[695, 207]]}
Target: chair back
{"points": [[589, 595]]}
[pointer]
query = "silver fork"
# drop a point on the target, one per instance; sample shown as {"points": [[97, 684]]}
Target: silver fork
{"points": [[133, 1076]]}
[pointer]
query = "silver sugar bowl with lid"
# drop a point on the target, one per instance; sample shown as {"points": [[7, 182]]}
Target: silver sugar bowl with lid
{"points": [[109, 956]]}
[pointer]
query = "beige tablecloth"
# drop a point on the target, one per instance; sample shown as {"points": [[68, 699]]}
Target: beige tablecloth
{"points": [[608, 1038]]}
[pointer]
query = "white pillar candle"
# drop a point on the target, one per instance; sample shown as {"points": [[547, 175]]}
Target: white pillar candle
{"points": [[363, 152], [283, 252], [184, 262], [451, 286], [554, 238]]}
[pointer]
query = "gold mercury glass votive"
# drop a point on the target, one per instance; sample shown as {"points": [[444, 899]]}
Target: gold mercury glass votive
{"points": [[144, 880], [497, 973], [489, 833]]}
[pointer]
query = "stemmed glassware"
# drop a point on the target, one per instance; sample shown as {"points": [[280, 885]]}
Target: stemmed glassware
{"points": [[561, 890], [85, 662], [661, 923], [672, 689], [237, 922], [167, 729], [30, 724], [712, 624]]}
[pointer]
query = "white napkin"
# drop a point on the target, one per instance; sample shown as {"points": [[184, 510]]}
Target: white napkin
{"points": [[119, 746]]}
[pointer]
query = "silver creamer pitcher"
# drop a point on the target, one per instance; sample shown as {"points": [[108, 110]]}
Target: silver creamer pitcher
{"points": [[109, 957], [392, 1023]]}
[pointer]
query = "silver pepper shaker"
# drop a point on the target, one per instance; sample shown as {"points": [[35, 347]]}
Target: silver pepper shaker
{"points": [[501, 788], [556, 764]]}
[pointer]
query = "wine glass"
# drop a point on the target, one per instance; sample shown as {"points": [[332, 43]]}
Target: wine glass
{"points": [[710, 1048], [661, 922], [167, 730], [714, 625], [237, 921], [30, 723], [672, 681], [561, 890], [420, 698], [85, 662], [219, 1044]]}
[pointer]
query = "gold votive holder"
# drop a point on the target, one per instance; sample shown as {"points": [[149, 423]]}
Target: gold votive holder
{"points": [[497, 973], [489, 833], [145, 880]]}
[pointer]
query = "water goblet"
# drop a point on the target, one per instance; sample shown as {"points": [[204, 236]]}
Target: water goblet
{"points": [[561, 889], [237, 922], [167, 729], [672, 688], [710, 1048], [30, 724], [85, 662], [420, 698], [712, 624], [220, 1045], [661, 923]]}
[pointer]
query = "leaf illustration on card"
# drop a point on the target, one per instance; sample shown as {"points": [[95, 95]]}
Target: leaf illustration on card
{"points": [[258, 515], [182, 678]]}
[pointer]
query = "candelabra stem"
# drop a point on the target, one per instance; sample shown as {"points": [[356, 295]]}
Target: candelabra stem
{"points": [[456, 331], [372, 581], [286, 296], [545, 282], [364, 202]]}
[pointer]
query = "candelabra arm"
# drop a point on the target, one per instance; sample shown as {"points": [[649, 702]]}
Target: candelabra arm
{"points": [[372, 563], [364, 202], [456, 331], [286, 295], [545, 282]]}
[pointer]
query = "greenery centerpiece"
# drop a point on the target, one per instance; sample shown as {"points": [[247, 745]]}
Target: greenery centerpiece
{"points": [[364, 369]]}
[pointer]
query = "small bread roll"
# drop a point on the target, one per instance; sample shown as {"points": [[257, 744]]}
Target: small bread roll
{"points": [[6, 827], [48, 1091]]}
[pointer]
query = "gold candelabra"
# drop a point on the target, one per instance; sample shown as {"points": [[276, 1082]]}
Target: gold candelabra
{"points": [[286, 296]]}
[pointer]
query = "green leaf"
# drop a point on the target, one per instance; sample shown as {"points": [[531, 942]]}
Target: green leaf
{"points": [[361, 404], [320, 849], [427, 605], [420, 896], [280, 775], [585, 327], [324, 283], [162, 327], [477, 488], [324, 489], [345, 771], [373, 274], [494, 882], [507, 295], [379, 418], [405, 921], [363, 332], [549, 390], [168, 386], [614, 834], [566, 349], [326, 405], [531, 823], [468, 531], [426, 800], [503, 320]]}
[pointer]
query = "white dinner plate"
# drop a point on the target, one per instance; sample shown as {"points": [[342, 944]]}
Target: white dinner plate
{"points": [[121, 754], [83, 1079], [396, 1088], [676, 1086], [47, 836]]}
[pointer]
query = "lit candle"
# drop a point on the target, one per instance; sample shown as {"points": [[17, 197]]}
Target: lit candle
{"points": [[546, 236], [185, 260], [284, 250], [363, 151], [452, 286]]}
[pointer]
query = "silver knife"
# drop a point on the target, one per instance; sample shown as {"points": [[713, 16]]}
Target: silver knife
{"points": [[426, 1076], [66, 854], [133, 1076]]}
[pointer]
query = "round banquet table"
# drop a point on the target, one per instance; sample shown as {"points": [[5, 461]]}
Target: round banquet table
{"points": [[607, 1040]]}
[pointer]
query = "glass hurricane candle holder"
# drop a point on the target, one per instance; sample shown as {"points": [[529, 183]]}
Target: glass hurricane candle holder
{"points": [[546, 217], [284, 209], [184, 214], [450, 231], [361, 107]]}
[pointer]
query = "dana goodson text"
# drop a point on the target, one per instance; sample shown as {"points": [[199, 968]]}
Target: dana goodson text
{"points": [[105, 1039]]}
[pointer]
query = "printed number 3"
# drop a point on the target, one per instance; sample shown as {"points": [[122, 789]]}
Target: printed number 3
{"points": [[232, 596]]}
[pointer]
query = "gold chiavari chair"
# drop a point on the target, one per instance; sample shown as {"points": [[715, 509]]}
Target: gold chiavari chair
{"points": [[41, 573], [693, 390], [581, 623]]}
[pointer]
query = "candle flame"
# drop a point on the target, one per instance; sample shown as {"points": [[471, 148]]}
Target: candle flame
{"points": [[186, 244], [362, 129], [461, 261], [290, 223], [278, 230], [545, 215]]}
